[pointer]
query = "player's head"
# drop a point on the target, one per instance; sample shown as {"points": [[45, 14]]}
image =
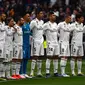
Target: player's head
{"points": [[2, 17], [20, 21], [39, 13], [27, 17], [52, 16], [10, 21], [68, 18], [79, 18]]}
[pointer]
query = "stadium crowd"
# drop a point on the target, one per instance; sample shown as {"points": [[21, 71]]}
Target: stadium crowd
{"points": [[26, 24]]}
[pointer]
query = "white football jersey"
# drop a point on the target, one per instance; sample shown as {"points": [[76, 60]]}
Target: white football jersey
{"points": [[51, 32], [64, 30], [18, 35], [77, 33], [2, 31], [9, 35], [36, 27]]}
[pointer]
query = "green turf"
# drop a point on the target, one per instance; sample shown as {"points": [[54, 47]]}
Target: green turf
{"points": [[50, 81]]}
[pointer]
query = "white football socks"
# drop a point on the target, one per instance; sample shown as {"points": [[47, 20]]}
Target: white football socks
{"points": [[55, 64], [39, 65], [1, 69], [7, 70], [13, 68], [79, 65], [18, 64], [48, 66], [72, 63], [33, 63], [63, 65]]}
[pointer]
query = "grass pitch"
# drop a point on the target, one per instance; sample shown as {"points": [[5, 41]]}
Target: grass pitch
{"points": [[50, 81]]}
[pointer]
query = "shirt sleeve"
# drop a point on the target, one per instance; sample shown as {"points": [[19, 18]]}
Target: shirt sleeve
{"points": [[59, 26], [45, 27], [32, 25], [2, 28], [72, 27], [84, 29]]}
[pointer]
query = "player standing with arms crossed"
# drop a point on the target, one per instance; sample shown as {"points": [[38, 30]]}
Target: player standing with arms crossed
{"points": [[51, 33], [64, 43]]}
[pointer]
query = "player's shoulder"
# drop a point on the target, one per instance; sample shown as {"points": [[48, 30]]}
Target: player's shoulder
{"points": [[33, 21], [55, 24], [73, 24], [16, 26], [6, 26], [0, 23], [46, 23], [61, 22]]}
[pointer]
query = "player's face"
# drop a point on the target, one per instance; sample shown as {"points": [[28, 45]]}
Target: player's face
{"points": [[81, 19], [22, 21], [69, 19], [53, 17], [27, 17], [41, 15], [3, 17], [11, 23]]}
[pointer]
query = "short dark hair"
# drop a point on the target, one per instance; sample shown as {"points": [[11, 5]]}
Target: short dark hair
{"points": [[67, 15], [8, 20], [51, 12], [38, 10], [18, 18], [78, 16]]}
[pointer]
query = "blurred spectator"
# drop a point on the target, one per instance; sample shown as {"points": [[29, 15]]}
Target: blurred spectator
{"points": [[75, 11], [62, 14], [16, 8]]}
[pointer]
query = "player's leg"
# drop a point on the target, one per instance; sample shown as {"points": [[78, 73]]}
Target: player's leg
{"points": [[19, 56], [48, 67], [64, 53], [13, 66], [24, 61], [36, 48], [39, 61], [50, 51], [2, 57], [55, 60], [1, 67], [8, 62], [72, 63], [79, 60], [73, 58], [33, 62], [12, 62], [39, 66]]}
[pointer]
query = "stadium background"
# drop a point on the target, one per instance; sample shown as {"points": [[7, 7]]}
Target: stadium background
{"points": [[16, 8]]}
